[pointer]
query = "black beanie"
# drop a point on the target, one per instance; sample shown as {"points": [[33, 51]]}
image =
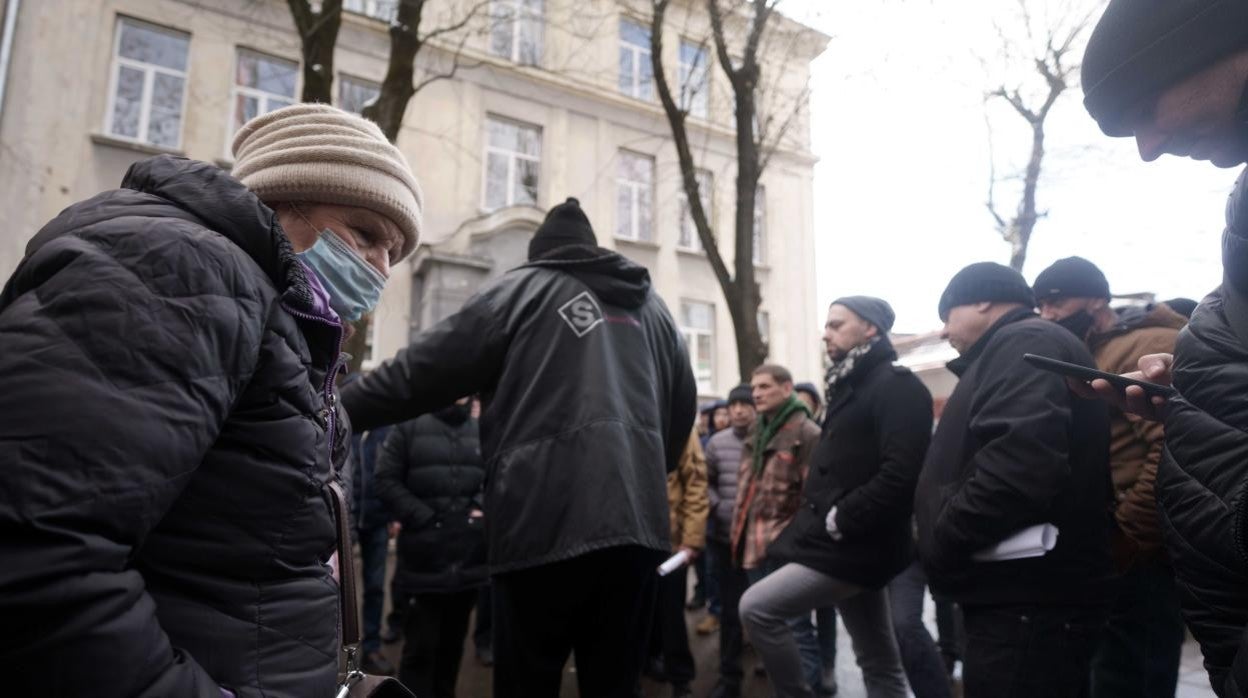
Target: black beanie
{"points": [[1073, 277], [874, 310], [1182, 306], [741, 393], [1141, 47], [985, 282], [565, 224]]}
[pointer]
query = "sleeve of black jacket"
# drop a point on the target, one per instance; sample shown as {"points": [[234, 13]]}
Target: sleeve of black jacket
{"points": [[122, 356], [390, 481], [1020, 418], [459, 356], [903, 418]]}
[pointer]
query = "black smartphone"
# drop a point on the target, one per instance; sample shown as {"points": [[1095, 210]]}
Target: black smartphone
{"points": [[1088, 375]]}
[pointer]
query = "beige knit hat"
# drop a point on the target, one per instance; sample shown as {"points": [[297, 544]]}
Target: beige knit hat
{"points": [[322, 154]]}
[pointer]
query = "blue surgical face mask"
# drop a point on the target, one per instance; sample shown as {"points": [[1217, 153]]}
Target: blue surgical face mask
{"points": [[354, 285]]}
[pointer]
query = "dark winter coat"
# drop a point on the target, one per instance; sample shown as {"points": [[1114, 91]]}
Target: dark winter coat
{"points": [[875, 434], [369, 512], [1015, 448], [723, 463], [167, 396], [1202, 480], [1202, 489], [588, 395], [430, 474]]}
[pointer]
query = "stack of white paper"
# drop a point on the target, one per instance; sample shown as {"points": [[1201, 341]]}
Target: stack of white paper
{"points": [[1033, 541]]}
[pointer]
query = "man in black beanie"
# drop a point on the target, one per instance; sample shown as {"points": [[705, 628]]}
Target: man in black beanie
{"points": [[1015, 451], [589, 399], [851, 534], [1175, 76], [1138, 654], [565, 224]]}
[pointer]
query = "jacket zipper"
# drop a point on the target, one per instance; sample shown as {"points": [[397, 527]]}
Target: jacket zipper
{"points": [[331, 400]]}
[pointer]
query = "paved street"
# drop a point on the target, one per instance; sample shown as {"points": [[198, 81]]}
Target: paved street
{"points": [[475, 680]]}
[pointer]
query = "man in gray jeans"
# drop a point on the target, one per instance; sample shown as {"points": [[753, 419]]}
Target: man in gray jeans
{"points": [[852, 532]]}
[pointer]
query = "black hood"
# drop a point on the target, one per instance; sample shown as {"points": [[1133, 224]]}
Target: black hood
{"points": [[613, 278]]}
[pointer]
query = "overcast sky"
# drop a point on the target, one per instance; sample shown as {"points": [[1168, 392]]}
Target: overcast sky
{"points": [[898, 125]]}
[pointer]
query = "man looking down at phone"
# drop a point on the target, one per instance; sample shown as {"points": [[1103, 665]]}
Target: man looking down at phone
{"points": [[1015, 449], [1138, 654], [1173, 76]]}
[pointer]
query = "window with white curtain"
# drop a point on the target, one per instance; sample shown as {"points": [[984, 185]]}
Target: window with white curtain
{"points": [[634, 210], [262, 84], [148, 92], [513, 162], [516, 30], [636, 71]]}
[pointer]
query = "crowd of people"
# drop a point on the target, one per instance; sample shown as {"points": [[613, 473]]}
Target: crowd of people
{"points": [[187, 471]]}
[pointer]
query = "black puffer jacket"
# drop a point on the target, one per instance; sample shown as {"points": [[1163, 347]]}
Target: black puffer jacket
{"points": [[164, 381], [1202, 487], [587, 391], [875, 434], [430, 474], [1015, 448], [1202, 480]]}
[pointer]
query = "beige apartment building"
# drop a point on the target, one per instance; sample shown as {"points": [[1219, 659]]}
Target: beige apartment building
{"points": [[553, 98]]}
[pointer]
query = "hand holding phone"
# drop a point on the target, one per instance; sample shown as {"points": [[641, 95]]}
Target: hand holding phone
{"points": [[1129, 392]]}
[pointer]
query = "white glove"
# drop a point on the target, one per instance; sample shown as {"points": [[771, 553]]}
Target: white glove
{"points": [[830, 524]]}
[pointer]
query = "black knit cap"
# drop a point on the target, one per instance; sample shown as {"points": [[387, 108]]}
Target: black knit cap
{"points": [[1141, 47], [1073, 277], [876, 311], [565, 224], [985, 282], [811, 390], [741, 393]]}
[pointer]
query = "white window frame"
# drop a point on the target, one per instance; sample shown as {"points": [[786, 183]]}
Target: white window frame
{"points": [[384, 10], [521, 17], [705, 382], [696, 103], [512, 157], [343, 79], [706, 189], [639, 53], [149, 78], [237, 89], [635, 188], [760, 226]]}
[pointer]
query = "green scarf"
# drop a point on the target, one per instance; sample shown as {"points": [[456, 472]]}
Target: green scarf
{"points": [[767, 428]]}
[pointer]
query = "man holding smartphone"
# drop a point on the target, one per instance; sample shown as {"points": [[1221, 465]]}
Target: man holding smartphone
{"points": [[1173, 76], [1138, 654], [1016, 450]]}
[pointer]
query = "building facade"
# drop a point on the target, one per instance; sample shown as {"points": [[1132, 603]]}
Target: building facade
{"points": [[550, 99]]}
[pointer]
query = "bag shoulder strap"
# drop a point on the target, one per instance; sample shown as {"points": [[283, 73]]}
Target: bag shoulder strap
{"points": [[346, 568]]}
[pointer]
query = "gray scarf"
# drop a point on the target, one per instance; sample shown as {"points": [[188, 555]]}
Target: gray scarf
{"points": [[840, 370]]}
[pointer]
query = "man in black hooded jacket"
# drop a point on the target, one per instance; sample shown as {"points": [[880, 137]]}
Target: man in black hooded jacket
{"points": [[587, 394], [1174, 75]]}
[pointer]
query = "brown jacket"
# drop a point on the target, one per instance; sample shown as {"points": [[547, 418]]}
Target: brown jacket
{"points": [[687, 498], [766, 504], [1135, 445]]}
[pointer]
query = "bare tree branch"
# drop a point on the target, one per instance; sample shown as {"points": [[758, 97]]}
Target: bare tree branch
{"points": [[1052, 64]]}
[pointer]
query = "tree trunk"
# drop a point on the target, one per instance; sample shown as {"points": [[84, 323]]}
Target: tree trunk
{"points": [[1027, 215], [739, 287], [318, 34], [398, 86]]}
